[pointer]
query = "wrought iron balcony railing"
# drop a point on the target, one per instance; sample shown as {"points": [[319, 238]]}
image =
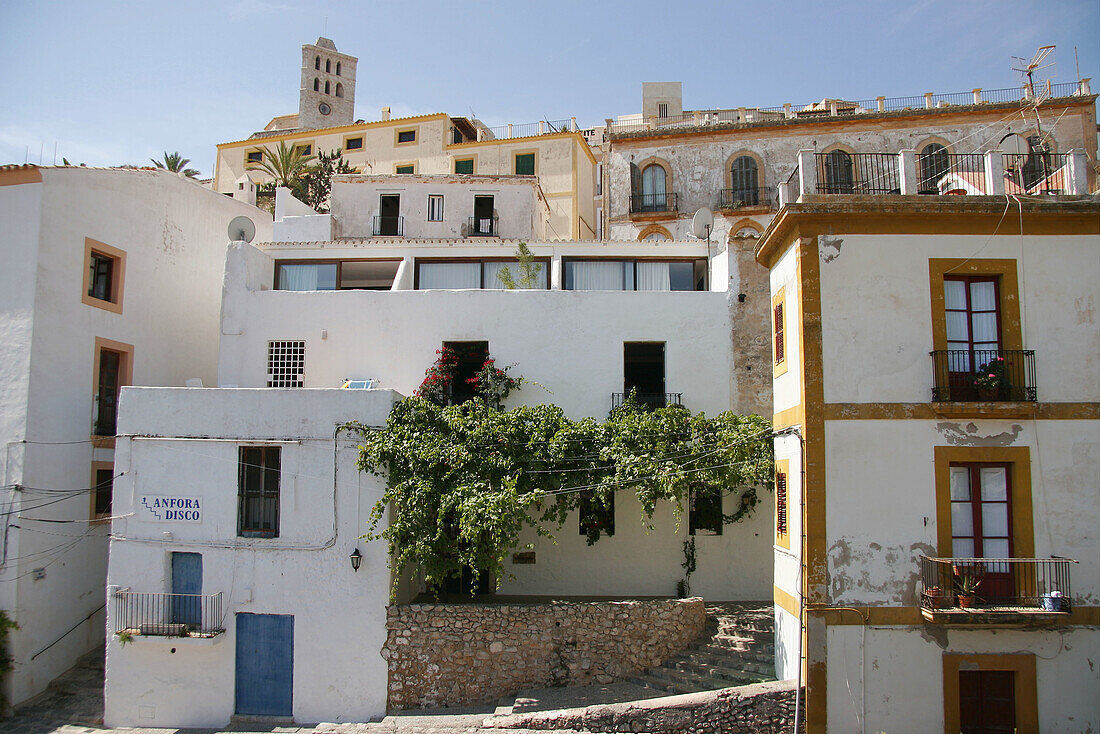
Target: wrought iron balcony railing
{"points": [[168, 615], [482, 227], [653, 203], [647, 400], [960, 375], [991, 588], [388, 227], [858, 173], [737, 198]]}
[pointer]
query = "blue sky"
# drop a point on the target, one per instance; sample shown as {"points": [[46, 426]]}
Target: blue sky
{"points": [[119, 82]]}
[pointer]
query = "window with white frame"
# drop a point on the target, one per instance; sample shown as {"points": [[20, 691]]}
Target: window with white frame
{"points": [[435, 207], [286, 361]]}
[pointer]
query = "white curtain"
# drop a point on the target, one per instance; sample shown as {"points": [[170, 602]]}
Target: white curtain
{"points": [[492, 274], [597, 276], [450, 275], [654, 277], [299, 277]]}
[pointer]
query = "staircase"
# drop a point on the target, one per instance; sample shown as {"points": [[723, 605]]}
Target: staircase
{"points": [[736, 649]]}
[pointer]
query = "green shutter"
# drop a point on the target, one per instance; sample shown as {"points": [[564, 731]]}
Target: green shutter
{"points": [[466, 166], [525, 164], [405, 169]]}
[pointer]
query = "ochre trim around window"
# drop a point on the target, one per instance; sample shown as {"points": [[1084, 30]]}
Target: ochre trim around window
{"points": [[1019, 460], [98, 466], [1026, 690], [782, 512], [654, 229], [780, 329], [125, 378], [398, 132], [404, 164], [118, 275], [1007, 283]]}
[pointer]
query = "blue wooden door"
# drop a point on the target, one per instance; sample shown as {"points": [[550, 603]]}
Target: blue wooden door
{"points": [[187, 579], [265, 664]]}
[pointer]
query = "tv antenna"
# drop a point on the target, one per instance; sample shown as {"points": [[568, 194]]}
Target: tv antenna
{"points": [[1026, 70], [241, 229]]}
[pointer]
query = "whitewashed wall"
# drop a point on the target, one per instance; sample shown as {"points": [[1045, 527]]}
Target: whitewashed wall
{"points": [[891, 678], [174, 233], [339, 615]]}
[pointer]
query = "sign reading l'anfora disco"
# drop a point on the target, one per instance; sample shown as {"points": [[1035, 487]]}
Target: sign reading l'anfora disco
{"points": [[170, 508]]}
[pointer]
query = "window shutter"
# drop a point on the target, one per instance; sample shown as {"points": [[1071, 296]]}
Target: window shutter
{"points": [[779, 337], [635, 180], [780, 503]]}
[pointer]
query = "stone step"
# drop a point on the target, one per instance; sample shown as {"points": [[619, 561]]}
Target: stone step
{"points": [[719, 658], [735, 643], [750, 673], [675, 681]]}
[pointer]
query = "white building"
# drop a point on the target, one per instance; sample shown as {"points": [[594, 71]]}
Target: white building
{"points": [[899, 473], [110, 278]]}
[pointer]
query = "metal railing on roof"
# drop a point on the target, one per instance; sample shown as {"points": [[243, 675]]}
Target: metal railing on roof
{"points": [[530, 129]]}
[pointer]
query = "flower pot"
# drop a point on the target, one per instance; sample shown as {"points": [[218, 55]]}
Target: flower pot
{"points": [[968, 601], [1052, 603], [987, 393]]}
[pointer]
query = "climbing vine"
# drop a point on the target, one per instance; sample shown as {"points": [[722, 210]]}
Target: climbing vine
{"points": [[463, 481]]}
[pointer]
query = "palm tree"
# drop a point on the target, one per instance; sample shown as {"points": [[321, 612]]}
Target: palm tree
{"points": [[285, 164], [176, 163]]}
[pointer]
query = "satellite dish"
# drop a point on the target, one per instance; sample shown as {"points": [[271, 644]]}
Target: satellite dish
{"points": [[702, 223], [1013, 144], [241, 229]]}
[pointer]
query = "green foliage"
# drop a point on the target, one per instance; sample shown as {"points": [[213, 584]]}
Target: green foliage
{"points": [[528, 270], [125, 637], [285, 164], [491, 383], [173, 162], [315, 182], [465, 480]]}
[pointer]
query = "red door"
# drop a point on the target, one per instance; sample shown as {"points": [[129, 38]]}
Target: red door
{"points": [[981, 526], [987, 701], [973, 330]]}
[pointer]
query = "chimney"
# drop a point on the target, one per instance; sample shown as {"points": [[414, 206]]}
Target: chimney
{"points": [[385, 113]]}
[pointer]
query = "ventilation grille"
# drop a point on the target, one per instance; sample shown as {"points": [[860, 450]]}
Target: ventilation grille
{"points": [[286, 364]]}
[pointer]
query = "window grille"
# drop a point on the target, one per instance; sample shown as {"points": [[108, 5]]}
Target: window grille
{"points": [[780, 354], [780, 503], [286, 362]]}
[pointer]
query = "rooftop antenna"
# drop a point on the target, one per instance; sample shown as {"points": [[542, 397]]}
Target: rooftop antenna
{"points": [[241, 229], [1027, 70]]}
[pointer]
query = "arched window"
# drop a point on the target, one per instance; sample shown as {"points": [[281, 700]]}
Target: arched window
{"points": [[339, 89], [654, 197], [337, 68], [327, 88], [838, 173], [933, 164], [328, 65], [744, 182], [316, 85], [1039, 164], [317, 62]]}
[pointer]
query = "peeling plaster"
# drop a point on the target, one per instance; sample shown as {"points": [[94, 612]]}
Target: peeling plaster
{"points": [[829, 242], [958, 435], [891, 573], [935, 634]]}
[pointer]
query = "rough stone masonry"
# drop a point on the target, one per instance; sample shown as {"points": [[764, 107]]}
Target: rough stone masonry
{"points": [[463, 654]]}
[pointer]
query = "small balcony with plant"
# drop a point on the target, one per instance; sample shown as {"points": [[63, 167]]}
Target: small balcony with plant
{"points": [[995, 590], [159, 615], [983, 375]]}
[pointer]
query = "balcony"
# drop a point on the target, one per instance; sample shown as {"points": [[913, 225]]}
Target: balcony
{"points": [[741, 198], [168, 615], [482, 227], [388, 227], [995, 590], [961, 375], [647, 400], [653, 203]]}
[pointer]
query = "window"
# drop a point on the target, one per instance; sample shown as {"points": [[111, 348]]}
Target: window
{"points": [[525, 164], [286, 361], [328, 87], [328, 66], [316, 84], [990, 693], [644, 372], [317, 62], [327, 275], [389, 222], [653, 197], [744, 182], [255, 156], [104, 268], [476, 274], [973, 325], [103, 478], [779, 333], [705, 512], [782, 505], [258, 492], [635, 275], [337, 68], [838, 173], [305, 149], [353, 144], [662, 109], [435, 207], [339, 89], [306, 276], [112, 370], [470, 358], [933, 163], [465, 165], [597, 514], [406, 136], [980, 511], [1039, 164], [987, 701], [599, 179], [407, 168]]}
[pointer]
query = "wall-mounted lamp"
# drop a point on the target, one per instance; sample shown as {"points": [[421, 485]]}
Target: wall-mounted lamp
{"points": [[356, 559]]}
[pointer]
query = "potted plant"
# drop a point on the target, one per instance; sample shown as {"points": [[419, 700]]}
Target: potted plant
{"points": [[967, 580], [991, 379], [937, 599]]}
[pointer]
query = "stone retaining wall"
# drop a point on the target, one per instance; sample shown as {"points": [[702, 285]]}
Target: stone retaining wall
{"points": [[462, 654], [761, 708]]}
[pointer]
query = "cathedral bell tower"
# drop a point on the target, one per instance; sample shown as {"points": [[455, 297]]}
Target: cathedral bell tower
{"points": [[327, 97]]}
